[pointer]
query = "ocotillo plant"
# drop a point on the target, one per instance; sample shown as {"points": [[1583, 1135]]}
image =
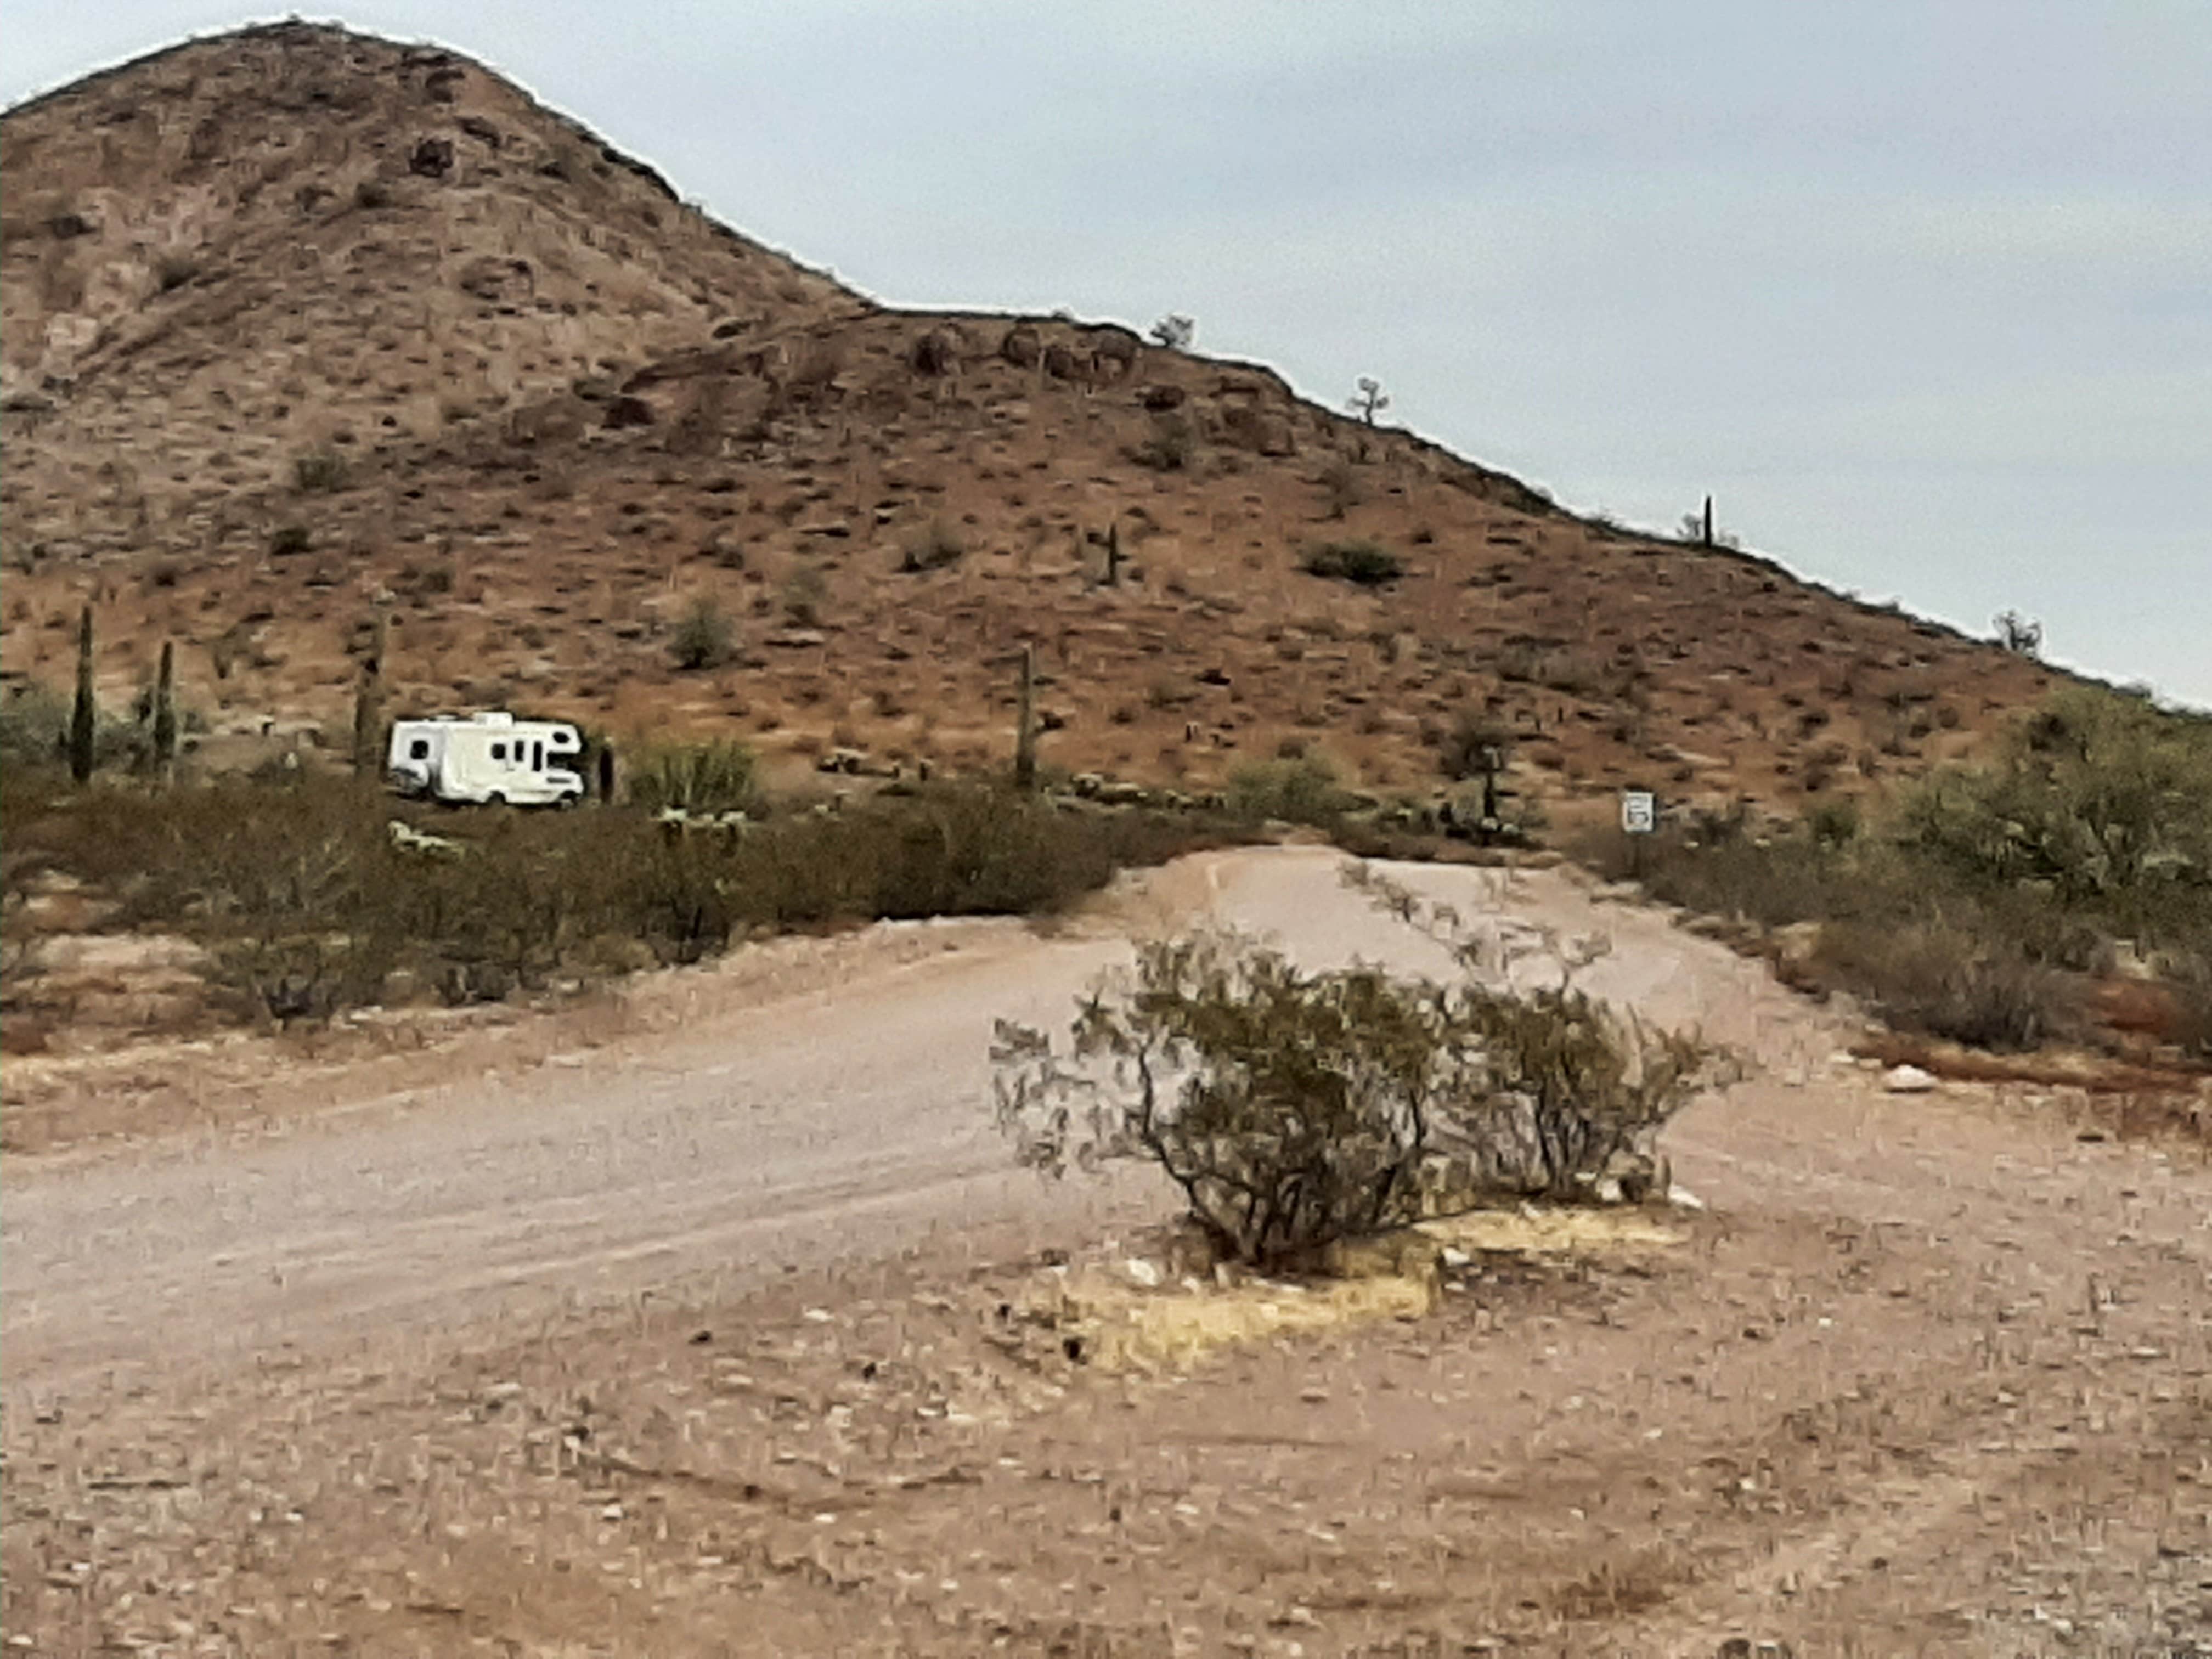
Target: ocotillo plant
{"points": [[164, 710], [1025, 724], [368, 704], [84, 718]]}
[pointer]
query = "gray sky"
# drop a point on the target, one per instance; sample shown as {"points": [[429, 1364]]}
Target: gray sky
{"points": [[1920, 290]]}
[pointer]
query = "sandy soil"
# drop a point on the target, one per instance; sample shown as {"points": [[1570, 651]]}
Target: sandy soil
{"points": [[718, 1338]]}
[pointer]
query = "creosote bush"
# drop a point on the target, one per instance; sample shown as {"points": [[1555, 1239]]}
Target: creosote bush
{"points": [[319, 473], [699, 777], [933, 549], [1363, 563], [1974, 904], [309, 904], [1169, 447], [704, 637], [1300, 789], [1295, 1108]]}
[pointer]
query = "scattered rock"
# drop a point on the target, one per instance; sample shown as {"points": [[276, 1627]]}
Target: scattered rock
{"points": [[1907, 1080]]}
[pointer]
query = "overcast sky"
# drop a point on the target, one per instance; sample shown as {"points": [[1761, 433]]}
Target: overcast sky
{"points": [[1920, 290]]}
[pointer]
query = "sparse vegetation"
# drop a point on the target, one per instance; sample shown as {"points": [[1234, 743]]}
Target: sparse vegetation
{"points": [[933, 549], [308, 906], [1363, 563], [1169, 447], [1297, 1108], [1475, 747], [803, 592], [1175, 332], [705, 637], [1981, 903], [288, 541], [320, 473], [697, 777], [1341, 487], [173, 270], [1297, 789]]}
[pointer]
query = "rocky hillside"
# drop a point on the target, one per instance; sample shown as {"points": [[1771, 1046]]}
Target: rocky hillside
{"points": [[302, 326]]}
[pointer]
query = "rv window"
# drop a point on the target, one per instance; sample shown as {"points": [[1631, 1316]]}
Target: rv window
{"points": [[419, 749], [499, 751], [538, 757]]}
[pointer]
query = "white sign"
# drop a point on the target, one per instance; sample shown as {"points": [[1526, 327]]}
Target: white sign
{"points": [[1639, 812]]}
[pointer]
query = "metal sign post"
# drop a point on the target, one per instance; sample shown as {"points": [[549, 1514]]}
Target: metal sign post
{"points": [[1639, 817]]}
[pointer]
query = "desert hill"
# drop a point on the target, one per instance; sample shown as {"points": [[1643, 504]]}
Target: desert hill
{"points": [[302, 326]]}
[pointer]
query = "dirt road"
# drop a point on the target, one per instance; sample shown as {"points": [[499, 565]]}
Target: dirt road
{"points": [[1933, 1369], [847, 1122]]}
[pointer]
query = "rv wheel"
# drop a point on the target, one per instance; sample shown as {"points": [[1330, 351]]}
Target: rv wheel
{"points": [[495, 799]]}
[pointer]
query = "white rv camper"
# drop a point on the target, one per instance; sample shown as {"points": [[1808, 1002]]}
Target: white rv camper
{"points": [[488, 760]]}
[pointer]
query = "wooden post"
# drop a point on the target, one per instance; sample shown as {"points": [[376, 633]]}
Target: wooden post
{"points": [[1025, 724]]}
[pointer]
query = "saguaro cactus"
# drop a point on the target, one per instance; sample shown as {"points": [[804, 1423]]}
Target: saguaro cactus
{"points": [[1025, 723], [1708, 525], [1114, 553], [84, 718], [164, 710], [368, 704]]}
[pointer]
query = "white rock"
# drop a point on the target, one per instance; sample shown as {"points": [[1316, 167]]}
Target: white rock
{"points": [[1907, 1080], [1142, 1272], [1683, 1199]]}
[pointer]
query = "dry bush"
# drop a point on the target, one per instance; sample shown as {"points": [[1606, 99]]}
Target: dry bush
{"points": [[804, 590], [1295, 1109], [1300, 788], [700, 777], [1169, 447], [1476, 746], [1967, 906], [306, 905], [1946, 982], [704, 638], [1362, 563], [1341, 487], [933, 549], [320, 473]]}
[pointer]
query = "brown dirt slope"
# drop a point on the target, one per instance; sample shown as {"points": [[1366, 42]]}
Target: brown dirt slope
{"points": [[546, 406]]}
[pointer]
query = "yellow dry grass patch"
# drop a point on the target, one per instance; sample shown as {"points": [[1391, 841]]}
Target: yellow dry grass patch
{"points": [[1173, 1328], [1532, 1231]]}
